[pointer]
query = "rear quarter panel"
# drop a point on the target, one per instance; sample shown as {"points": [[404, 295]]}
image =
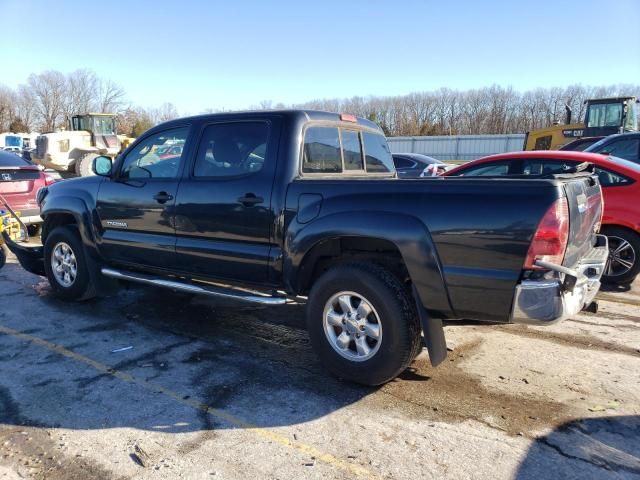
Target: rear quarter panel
{"points": [[480, 230]]}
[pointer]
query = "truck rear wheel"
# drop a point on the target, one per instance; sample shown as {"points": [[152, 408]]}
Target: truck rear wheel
{"points": [[363, 323], [84, 165], [66, 266]]}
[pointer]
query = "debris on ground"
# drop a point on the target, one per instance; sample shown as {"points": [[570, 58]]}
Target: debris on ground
{"points": [[123, 349]]}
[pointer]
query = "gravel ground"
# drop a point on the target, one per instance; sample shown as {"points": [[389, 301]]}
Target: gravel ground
{"points": [[213, 390]]}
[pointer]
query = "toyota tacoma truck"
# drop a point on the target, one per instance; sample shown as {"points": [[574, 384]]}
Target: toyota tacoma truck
{"points": [[303, 206]]}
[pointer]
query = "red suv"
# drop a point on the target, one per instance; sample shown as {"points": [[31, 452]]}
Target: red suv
{"points": [[620, 180], [19, 184]]}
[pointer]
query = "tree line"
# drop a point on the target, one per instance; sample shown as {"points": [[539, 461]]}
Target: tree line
{"points": [[489, 110], [47, 101]]}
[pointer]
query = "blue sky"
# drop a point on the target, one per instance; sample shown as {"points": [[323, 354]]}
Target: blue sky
{"points": [[233, 54]]}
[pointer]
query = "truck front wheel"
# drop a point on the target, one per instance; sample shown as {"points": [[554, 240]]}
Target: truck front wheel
{"points": [[66, 266], [362, 323]]}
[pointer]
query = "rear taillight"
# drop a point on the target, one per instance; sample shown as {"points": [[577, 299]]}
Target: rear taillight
{"points": [[48, 180], [550, 240]]}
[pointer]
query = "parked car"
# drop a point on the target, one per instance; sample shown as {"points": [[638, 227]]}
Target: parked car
{"points": [[19, 184], [414, 165], [322, 218], [620, 180], [14, 150], [580, 144], [168, 152], [623, 145]]}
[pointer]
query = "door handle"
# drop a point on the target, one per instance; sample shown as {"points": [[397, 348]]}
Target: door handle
{"points": [[250, 199], [162, 197]]}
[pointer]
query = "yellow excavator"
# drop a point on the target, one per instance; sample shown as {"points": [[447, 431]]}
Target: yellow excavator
{"points": [[604, 116]]}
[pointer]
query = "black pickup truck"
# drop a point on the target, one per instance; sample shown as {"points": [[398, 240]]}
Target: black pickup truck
{"points": [[303, 206]]}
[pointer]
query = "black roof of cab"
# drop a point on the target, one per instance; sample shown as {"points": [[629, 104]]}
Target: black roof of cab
{"points": [[299, 115]]}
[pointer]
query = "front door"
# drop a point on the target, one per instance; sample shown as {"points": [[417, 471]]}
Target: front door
{"points": [[223, 211], [136, 206]]}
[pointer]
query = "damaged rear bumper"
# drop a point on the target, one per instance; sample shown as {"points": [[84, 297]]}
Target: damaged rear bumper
{"points": [[550, 300]]}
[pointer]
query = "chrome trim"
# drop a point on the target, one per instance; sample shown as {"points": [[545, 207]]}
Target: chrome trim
{"points": [[550, 300], [220, 292]]}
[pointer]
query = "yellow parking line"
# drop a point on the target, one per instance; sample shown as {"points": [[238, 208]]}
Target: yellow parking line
{"points": [[214, 412]]}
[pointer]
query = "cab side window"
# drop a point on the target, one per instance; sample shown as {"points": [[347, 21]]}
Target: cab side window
{"points": [[377, 154], [232, 149], [157, 156]]}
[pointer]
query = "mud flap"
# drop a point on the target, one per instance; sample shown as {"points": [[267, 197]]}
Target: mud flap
{"points": [[30, 258], [433, 332]]}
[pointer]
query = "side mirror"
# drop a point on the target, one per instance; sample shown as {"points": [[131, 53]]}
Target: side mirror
{"points": [[102, 166]]}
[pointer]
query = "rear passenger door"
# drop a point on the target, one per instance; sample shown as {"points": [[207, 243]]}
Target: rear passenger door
{"points": [[224, 218]]}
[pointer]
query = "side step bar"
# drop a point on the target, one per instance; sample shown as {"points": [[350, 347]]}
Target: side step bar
{"points": [[212, 291]]}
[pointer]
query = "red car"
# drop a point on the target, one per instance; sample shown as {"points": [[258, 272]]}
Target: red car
{"points": [[19, 184], [620, 180]]}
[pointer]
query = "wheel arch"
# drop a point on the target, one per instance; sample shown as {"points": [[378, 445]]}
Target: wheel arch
{"points": [[401, 243], [61, 210]]}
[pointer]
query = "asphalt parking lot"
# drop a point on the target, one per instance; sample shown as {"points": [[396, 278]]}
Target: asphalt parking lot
{"points": [[211, 390]]}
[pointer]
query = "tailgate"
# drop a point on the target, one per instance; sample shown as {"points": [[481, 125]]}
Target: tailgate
{"points": [[584, 198]]}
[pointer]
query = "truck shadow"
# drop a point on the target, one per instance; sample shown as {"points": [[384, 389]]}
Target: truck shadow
{"points": [[604, 447], [194, 365]]}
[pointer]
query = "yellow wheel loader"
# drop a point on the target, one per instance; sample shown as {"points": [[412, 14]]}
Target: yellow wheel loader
{"points": [[73, 151], [604, 116]]}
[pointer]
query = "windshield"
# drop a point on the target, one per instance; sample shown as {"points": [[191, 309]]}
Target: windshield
{"points": [[12, 141], [104, 126], [605, 115]]}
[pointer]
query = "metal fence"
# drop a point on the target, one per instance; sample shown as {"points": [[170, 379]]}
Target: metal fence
{"points": [[457, 147]]}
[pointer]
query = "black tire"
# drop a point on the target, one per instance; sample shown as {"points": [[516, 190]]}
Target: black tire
{"points": [[84, 165], [34, 230], [631, 253], [3, 256], [400, 340], [82, 287]]}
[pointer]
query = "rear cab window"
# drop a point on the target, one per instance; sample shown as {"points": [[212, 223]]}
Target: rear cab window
{"points": [[340, 150]]}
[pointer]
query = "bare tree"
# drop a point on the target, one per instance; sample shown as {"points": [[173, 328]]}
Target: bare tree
{"points": [[109, 96], [49, 89], [81, 95], [7, 107], [167, 111], [26, 106]]}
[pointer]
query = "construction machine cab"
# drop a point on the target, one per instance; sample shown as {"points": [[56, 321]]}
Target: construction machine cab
{"points": [[102, 127], [606, 116], [95, 123]]}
